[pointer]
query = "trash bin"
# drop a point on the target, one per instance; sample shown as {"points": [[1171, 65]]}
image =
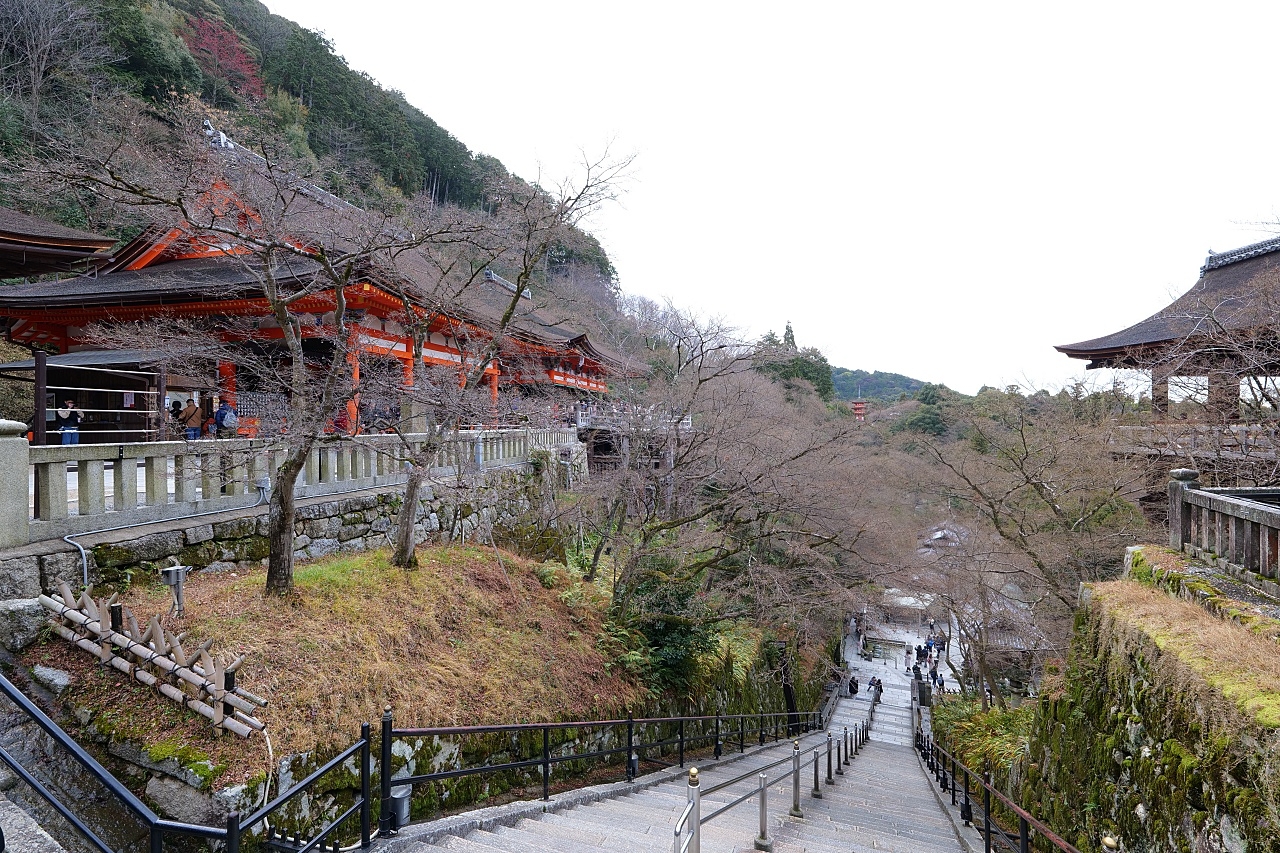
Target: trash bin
{"points": [[400, 805]]}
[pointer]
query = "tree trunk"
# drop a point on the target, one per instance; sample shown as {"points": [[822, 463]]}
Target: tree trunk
{"points": [[280, 518], [406, 556]]}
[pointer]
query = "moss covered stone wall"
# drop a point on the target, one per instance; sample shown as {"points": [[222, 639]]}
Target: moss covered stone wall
{"points": [[1135, 741]]}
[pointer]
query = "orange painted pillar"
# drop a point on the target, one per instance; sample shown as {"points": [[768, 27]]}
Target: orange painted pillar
{"points": [[227, 381], [493, 386], [353, 405]]}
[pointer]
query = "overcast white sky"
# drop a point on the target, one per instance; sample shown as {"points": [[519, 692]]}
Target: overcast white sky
{"points": [[943, 190]]}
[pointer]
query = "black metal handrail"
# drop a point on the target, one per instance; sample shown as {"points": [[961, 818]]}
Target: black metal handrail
{"points": [[839, 750], [945, 767], [157, 828], [763, 726]]}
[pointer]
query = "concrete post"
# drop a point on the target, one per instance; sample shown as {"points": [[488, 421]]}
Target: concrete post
{"points": [[15, 463], [1179, 511], [91, 486], [124, 482]]}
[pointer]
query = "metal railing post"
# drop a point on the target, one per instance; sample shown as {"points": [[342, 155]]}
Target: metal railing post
{"points": [[719, 749], [762, 728], [633, 760], [366, 800], [681, 737], [695, 816], [157, 840], [847, 744], [840, 757], [831, 780], [384, 776], [1024, 835], [763, 842], [233, 831], [966, 809], [546, 763], [953, 780], [817, 790], [986, 813], [742, 733], [795, 780]]}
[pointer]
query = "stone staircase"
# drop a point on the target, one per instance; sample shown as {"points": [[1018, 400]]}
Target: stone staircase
{"points": [[883, 802]]}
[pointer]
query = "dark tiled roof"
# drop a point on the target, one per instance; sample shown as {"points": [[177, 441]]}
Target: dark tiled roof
{"points": [[88, 358], [180, 281], [19, 226], [1236, 289], [30, 247], [1253, 250]]}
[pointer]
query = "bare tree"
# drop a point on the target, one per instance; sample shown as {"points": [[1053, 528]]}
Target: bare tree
{"points": [[1036, 498], [450, 277], [46, 43], [726, 497], [297, 246]]}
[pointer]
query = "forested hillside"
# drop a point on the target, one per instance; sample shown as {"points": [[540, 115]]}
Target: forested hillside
{"points": [[64, 64], [877, 385]]}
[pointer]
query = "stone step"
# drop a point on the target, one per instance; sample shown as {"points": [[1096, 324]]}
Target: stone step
{"points": [[883, 803]]}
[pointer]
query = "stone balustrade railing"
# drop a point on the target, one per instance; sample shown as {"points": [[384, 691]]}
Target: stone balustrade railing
{"points": [[55, 491], [1238, 526], [1176, 439]]}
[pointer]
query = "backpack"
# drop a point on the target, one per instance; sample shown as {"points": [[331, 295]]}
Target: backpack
{"points": [[229, 420]]}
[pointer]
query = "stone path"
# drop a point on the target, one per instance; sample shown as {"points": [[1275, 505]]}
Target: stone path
{"points": [[21, 833], [883, 802]]}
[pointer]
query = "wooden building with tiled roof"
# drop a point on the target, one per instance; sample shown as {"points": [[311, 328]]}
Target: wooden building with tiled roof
{"points": [[1225, 329], [165, 273], [31, 247]]}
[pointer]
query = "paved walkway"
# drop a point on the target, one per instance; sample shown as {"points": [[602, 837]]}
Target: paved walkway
{"points": [[883, 802], [21, 833]]}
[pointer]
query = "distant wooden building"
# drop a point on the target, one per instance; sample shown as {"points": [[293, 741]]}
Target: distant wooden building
{"points": [[165, 273], [1223, 330], [32, 247]]}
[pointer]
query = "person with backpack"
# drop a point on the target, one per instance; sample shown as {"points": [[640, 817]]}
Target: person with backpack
{"points": [[191, 418], [226, 421]]}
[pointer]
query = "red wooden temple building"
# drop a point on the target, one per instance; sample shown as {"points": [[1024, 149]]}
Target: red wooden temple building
{"points": [[164, 273]]}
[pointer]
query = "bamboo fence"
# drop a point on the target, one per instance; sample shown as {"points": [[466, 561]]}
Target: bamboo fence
{"points": [[155, 657]]}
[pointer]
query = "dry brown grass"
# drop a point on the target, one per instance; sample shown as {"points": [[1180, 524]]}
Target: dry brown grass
{"points": [[1241, 665], [471, 637]]}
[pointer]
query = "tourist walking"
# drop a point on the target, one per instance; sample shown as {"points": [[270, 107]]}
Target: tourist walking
{"points": [[226, 422], [68, 419], [191, 417]]}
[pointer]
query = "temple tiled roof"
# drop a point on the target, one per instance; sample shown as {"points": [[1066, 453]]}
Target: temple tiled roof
{"points": [[16, 225], [30, 246], [198, 280], [1236, 290]]}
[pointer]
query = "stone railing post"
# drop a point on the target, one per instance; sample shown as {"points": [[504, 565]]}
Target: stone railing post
{"points": [[1179, 511], [15, 467]]}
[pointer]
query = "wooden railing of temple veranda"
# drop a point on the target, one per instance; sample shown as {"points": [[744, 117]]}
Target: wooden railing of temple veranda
{"points": [[55, 491], [1235, 528], [1183, 440]]}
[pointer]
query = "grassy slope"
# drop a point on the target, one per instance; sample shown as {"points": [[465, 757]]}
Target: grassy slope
{"points": [[472, 637]]}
